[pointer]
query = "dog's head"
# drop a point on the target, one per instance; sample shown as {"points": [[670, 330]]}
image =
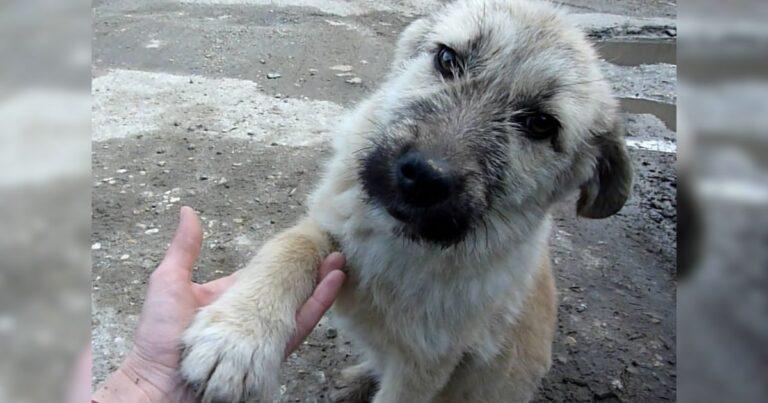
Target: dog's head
{"points": [[494, 110]]}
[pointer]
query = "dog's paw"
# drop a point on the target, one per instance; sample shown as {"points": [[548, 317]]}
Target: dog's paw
{"points": [[225, 360]]}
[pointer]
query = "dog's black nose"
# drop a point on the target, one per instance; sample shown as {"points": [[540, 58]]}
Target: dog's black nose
{"points": [[423, 181]]}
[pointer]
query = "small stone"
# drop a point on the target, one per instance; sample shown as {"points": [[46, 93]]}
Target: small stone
{"points": [[283, 389], [342, 67], [125, 257], [344, 74], [354, 80], [616, 384], [262, 61], [222, 181], [570, 341], [121, 171], [161, 163], [190, 147], [581, 307], [273, 76], [237, 220], [96, 246], [320, 376], [174, 199], [331, 333], [152, 231], [312, 72]]}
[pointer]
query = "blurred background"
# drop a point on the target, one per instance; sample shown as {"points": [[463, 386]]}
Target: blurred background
{"points": [[45, 58], [722, 301], [722, 210]]}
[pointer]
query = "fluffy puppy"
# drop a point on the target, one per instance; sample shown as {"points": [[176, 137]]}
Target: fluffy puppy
{"points": [[439, 194]]}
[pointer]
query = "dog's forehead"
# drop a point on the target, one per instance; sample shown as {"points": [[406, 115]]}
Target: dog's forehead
{"points": [[532, 38]]}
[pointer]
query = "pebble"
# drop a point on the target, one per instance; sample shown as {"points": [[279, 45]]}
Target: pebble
{"points": [[152, 231], [354, 80], [570, 341], [161, 163], [616, 384], [125, 257], [342, 67], [273, 76], [320, 376], [121, 171], [174, 199], [331, 333], [96, 246], [581, 307], [312, 72]]}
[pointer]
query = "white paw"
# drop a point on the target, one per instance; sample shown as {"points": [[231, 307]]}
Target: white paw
{"points": [[226, 360]]}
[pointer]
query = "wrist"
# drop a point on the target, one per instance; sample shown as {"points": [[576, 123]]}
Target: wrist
{"points": [[134, 382]]}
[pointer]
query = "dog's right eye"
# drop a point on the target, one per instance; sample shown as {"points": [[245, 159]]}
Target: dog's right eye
{"points": [[447, 62]]}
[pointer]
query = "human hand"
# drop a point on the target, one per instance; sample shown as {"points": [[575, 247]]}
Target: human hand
{"points": [[150, 371]]}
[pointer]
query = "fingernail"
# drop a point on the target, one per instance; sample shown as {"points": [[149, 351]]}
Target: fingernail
{"points": [[336, 260]]}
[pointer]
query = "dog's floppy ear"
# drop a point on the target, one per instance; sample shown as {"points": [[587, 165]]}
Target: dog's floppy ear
{"points": [[605, 193]]}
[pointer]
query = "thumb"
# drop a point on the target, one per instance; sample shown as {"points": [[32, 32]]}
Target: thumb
{"points": [[185, 246]]}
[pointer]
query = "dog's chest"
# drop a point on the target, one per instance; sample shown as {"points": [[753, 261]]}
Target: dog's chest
{"points": [[426, 301]]}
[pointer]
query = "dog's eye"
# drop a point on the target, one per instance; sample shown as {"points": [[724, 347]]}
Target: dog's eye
{"points": [[447, 62], [541, 125]]}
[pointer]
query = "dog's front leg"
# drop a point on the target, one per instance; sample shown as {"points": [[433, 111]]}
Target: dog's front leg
{"points": [[234, 347], [407, 381]]}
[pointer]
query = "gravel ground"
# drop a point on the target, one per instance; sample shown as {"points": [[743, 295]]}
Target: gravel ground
{"points": [[185, 114]]}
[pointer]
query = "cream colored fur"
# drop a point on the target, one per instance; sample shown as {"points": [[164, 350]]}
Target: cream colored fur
{"points": [[470, 323]]}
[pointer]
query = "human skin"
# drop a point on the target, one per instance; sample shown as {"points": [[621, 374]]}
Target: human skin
{"points": [[149, 372]]}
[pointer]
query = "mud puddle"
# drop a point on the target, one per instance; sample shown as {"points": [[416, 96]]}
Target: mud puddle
{"points": [[625, 52], [636, 52]]}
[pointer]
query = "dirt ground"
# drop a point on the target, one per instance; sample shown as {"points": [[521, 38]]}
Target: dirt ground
{"points": [[184, 114]]}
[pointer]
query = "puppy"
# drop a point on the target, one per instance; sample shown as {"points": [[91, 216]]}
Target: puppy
{"points": [[439, 194]]}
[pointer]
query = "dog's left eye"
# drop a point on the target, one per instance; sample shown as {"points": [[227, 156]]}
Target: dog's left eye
{"points": [[541, 125], [447, 62]]}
